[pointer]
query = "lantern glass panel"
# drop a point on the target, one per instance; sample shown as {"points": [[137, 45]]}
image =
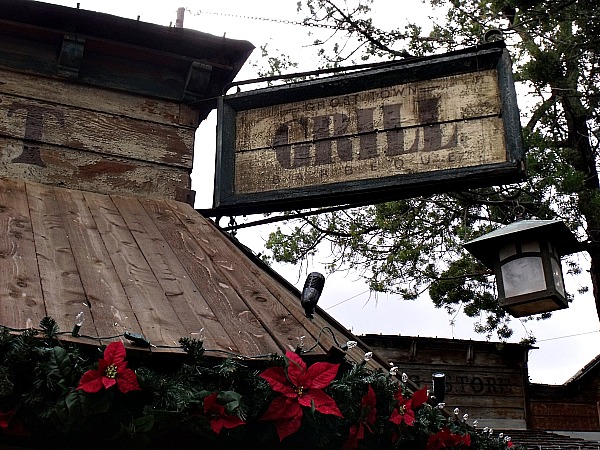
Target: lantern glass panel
{"points": [[530, 246], [523, 276], [507, 250], [558, 278]]}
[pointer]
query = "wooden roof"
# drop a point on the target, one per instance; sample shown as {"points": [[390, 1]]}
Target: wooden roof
{"points": [[544, 440], [142, 265]]}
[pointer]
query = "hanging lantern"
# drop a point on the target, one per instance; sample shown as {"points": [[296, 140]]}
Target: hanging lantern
{"points": [[525, 257]]}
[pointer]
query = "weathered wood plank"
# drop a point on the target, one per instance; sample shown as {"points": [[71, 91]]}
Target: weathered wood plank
{"points": [[468, 380], [21, 301], [63, 292], [314, 330], [108, 302], [157, 319], [88, 171], [42, 122], [447, 99], [565, 423], [460, 144], [102, 100], [229, 308], [451, 360], [272, 314], [317, 328], [488, 402], [570, 416], [181, 293], [476, 413]]}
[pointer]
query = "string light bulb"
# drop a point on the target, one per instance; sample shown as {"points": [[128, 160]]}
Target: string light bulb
{"points": [[79, 319], [200, 335], [349, 345], [300, 344]]}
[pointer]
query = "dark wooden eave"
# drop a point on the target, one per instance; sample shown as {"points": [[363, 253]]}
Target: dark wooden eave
{"points": [[117, 53], [143, 265]]}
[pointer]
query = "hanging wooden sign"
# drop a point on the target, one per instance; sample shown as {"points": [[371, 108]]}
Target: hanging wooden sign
{"points": [[418, 127]]}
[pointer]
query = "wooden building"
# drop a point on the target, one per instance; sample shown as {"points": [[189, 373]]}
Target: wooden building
{"points": [[97, 123], [572, 408], [489, 381], [486, 380]]}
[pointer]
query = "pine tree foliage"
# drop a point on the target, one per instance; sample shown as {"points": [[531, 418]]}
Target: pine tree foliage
{"points": [[411, 247]]}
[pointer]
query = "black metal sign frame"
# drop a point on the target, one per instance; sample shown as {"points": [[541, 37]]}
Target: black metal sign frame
{"points": [[490, 56]]}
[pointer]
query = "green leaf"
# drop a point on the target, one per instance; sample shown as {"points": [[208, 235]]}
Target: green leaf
{"points": [[230, 400], [142, 424], [78, 406], [60, 368]]}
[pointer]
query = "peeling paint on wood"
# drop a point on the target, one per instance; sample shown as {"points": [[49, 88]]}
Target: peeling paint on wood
{"points": [[94, 172], [439, 124], [38, 122], [95, 139], [94, 99]]}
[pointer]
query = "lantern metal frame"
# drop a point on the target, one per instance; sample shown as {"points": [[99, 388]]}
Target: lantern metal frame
{"points": [[525, 257]]}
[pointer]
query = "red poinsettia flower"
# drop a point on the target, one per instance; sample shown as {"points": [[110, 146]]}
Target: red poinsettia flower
{"points": [[5, 418], [11, 426], [112, 369], [445, 439], [367, 418], [218, 418], [404, 411], [299, 387]]}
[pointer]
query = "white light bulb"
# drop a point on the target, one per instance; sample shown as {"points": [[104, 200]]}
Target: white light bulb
{"points": [[351, 344], [79, 319]]}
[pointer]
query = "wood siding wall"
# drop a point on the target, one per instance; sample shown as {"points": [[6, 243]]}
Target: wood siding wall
{"points": [[484, 380], [80, 137], [573, 406]]}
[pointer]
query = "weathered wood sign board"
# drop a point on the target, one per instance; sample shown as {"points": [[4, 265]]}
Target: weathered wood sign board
{"points": [[422, 126], [93, 139]]}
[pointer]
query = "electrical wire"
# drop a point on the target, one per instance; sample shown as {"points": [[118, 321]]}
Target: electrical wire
{"points": [[346, 300], [267, 19], [319, 338], [139, 340], [568, 336]]}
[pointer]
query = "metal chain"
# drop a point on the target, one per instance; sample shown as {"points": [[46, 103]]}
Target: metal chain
{"points": [[267, 19], [232, 226]]}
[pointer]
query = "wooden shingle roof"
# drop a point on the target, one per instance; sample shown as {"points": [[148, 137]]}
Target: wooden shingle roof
{"points": [[143, 265], [544, 440]]}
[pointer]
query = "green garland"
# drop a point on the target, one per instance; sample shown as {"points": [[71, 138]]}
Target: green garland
{"points": [[60, 395]]}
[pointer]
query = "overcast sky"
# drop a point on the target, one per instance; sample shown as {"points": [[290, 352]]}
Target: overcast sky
{"points": [[566, 342]]}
